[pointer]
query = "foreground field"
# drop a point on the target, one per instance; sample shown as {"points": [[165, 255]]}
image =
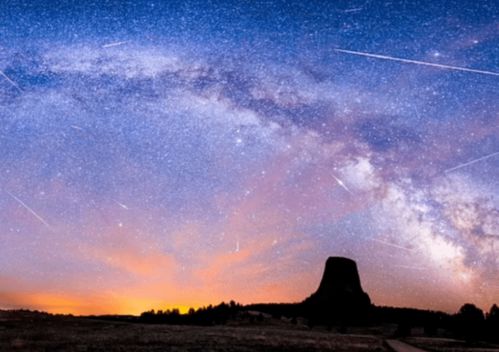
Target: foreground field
{"points": [[76, 334]]}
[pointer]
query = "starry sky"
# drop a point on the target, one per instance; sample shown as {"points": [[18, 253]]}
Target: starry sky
{"points": [[160, 153]]}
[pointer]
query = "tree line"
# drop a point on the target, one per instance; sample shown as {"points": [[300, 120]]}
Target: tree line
{"points": [[469, 323]]}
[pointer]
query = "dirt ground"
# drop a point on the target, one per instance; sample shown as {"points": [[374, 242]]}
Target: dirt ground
{"points": [[32, 333]]}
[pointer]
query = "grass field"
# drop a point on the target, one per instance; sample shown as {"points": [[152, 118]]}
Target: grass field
{"points": [[48, 333]]}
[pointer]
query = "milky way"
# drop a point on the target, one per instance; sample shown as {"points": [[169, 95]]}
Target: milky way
{"points": [[156, 155]]}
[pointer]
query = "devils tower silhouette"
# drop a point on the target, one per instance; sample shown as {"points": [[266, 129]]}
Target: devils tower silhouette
{"points": [[340, 296]]}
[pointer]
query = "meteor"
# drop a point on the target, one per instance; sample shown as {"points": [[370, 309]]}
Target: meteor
{"points": [[390, 244], [416, 62], [355, 9], [471, 162], [121, 205], [342, 184], [409, 267], [42, 220], [12, 83], [110, 45]]}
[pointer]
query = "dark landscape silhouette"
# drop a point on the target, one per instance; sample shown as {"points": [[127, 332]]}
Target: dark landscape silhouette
{"points": [[340, 302], [339, 305]]}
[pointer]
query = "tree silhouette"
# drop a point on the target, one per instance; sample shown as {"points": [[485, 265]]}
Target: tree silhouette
{"points": [[471, 313], [493, 315], [469, 322], [493, 323]]}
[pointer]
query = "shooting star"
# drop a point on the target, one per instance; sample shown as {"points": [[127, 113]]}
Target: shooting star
{"points": [[121, 205], [110, 45], [12, 83], [355, 9], [390, 244], [471, 162], [342, 184], [416, 62], [42, 220], [409, 267]]}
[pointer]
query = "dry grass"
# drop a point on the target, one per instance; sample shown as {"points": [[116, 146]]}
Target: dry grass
{"points": [[75, 334]]}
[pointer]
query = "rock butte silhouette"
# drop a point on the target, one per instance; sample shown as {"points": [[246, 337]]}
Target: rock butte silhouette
{"points": [[340, 293]]}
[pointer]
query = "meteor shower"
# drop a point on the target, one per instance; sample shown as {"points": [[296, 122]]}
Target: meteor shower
{"points": [[173, 155]]}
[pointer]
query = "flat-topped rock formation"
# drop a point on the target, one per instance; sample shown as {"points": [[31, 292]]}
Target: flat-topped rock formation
{"points": [[340, 295]]}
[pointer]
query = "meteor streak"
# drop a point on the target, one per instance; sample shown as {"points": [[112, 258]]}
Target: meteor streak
{"points": [[409, 267], [342, 184], [12, 83], [471, 162], [121, 205], [390, 244], [356, 9], [42, 220], [110, 45], [416, 62]]}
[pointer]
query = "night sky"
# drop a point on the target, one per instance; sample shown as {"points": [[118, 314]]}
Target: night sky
{"points": [[159, 153]]}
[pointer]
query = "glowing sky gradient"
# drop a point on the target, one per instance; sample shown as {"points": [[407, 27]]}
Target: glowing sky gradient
{"points": [[157, 154]]}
